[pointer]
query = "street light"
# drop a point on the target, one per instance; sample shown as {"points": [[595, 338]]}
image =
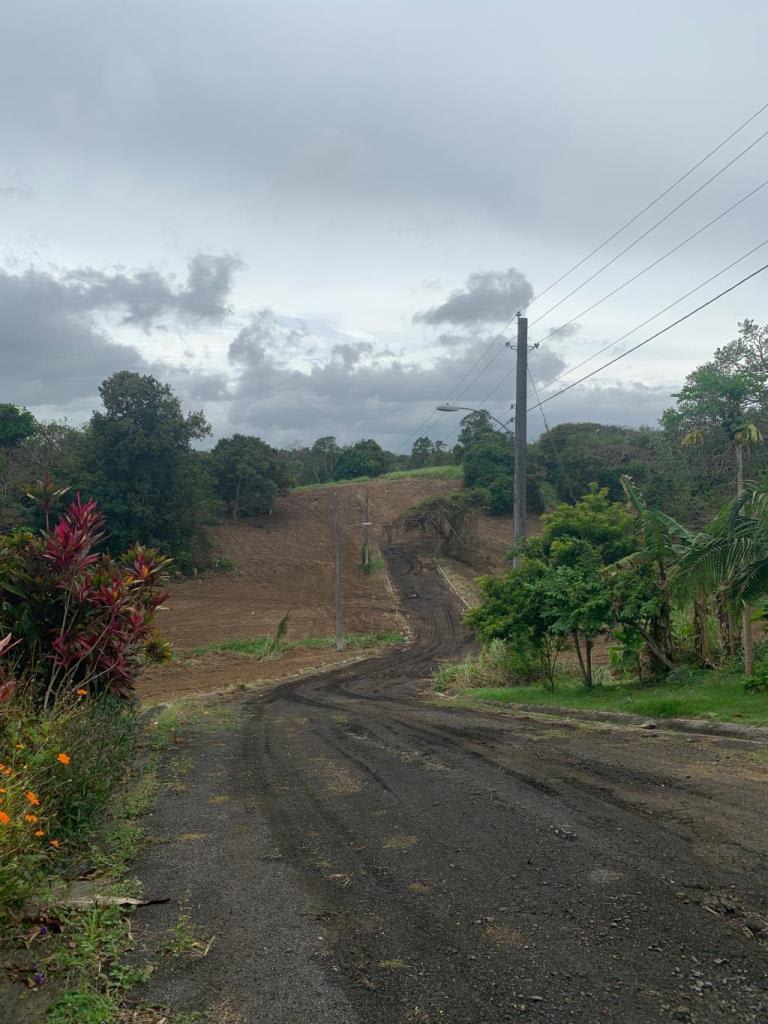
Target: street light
{"points": [[448, 408]]}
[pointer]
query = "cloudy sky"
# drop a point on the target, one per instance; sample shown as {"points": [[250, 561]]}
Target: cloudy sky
{"points": [[314, 218]]}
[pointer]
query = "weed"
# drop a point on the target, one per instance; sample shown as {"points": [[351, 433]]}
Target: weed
{"points": [[186, 939], [261, 647]]}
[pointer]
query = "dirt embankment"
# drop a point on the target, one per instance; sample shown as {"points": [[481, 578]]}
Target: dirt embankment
{"points": [[284, 562]]}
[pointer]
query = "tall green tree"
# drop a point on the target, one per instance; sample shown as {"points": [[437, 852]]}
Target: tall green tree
{"points": [[153, 488], [365, 458], [249, 475], [16, 424], [726, 399]]}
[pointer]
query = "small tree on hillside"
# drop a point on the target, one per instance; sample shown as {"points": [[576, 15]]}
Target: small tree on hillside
{"points": [[447, 522], [249, 474], [365, 458]]}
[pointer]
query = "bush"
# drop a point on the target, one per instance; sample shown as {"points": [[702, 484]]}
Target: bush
{"points": [[80, 620], [497, 664], [58, 770]]}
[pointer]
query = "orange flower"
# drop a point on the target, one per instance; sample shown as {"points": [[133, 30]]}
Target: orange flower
{"points": [[39, 833], [4, 769], [54, 842], [32, 798], [62, 758], [31, 818], [4, 818], [81, 693]]}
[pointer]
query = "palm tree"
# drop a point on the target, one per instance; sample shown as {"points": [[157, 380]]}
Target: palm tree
{"points": [[661, 543], [731, 557]]}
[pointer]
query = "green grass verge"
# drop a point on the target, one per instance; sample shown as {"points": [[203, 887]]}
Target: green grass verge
{"points": [[260, 646], [79, 963], [711, 695], [437, 472]]}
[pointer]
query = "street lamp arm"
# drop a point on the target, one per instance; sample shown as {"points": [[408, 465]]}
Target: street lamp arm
{"points": [[468, 408]]}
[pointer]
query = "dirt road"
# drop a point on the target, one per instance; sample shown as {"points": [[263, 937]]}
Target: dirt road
{"points": [[361, 855]]}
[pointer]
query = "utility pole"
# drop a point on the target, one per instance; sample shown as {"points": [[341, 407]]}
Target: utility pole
{"points": [[337, 571], [366, 537], [521, 432]]}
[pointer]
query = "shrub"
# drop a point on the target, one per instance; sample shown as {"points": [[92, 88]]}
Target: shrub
{"points": [[497, 664], [58, 769], [80, 620]]}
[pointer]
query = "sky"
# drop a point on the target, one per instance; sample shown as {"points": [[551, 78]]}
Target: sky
{"points": [[315, 219]]}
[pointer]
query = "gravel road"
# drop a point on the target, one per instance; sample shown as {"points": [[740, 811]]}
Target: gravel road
{"points": [[360, 854]]}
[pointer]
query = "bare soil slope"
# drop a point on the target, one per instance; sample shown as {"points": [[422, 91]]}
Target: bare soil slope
{"points": [[284, 562]]}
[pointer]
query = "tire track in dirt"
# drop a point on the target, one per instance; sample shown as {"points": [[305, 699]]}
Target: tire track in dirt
{"points": [[468, 869]]}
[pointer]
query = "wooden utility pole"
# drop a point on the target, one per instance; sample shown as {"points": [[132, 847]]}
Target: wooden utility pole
{"points": [[366, 536], [521, 432], [337, 571]]}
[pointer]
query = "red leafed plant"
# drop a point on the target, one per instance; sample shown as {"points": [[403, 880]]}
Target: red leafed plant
{"points": [[76, 618]]}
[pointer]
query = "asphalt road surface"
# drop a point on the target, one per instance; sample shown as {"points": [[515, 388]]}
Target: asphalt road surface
{"points": [[358, 853]]}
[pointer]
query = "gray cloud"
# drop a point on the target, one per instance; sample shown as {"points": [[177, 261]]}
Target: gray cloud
{"points": [[355, 389], [147, 295], [55, 349], [493, 296]]}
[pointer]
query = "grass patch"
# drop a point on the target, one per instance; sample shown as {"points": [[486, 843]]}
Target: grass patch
{"points": [[80, 951], [716, 695], [436, 472], [262, 646]]}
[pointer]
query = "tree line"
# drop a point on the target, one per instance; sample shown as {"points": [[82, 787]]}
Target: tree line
{"points": [[143, 457]]}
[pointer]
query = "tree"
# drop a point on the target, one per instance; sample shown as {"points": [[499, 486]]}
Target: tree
{"points": [[323, 457], [572, 456], [421, 452], [726, 397], [249, 475], [365, 458], [522, 609], [448, 522], [16, 424], [142, 469]]}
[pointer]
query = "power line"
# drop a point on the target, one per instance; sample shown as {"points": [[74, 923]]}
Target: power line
{"points": [[650, 205], [637, 327], [656, 262], [658, 334], [629, 280], [653, 227], [429, 421]]}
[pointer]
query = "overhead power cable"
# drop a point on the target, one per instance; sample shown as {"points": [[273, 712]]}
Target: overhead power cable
{"points": [[656, 262], [429, 421], [634, 348], [637, 327], [650, 205], [634, 277], [653, 227]]}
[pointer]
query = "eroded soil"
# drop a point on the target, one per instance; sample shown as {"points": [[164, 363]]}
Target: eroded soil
{"points": [[359, 853]]}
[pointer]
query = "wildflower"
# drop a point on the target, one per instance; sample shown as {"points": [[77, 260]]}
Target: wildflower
{"points": [[31, 818], [54, 842], [39, 833], [62, 758], [19, 746], [4, 769], [38, 977], [81, 692], [5, 819], [32, 798]]}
